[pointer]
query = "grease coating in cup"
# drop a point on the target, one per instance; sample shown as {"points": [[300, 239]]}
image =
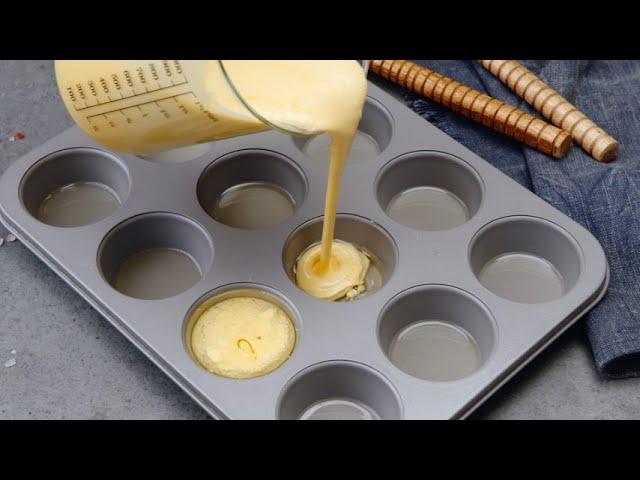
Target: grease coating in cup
{"points": [[253, 205], [435, 350], [427, 208], [77, 204], [339, 409], [522, 277], [156, 273]]}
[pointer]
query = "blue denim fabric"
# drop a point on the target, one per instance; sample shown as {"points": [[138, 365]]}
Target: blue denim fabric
{"points": [[604, 198]]}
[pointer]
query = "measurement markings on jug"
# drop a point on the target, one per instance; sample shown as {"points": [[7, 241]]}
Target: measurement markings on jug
{"points": [[165, 76], [165, 106]]}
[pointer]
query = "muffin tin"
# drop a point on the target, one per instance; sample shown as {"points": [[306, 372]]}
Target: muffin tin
{"points": [[342, 362]]}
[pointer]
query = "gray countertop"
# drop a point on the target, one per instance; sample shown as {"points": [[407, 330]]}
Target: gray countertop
{"points": [[71, 364]]}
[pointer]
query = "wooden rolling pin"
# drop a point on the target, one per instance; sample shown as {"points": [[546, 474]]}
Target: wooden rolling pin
{"points": [[471, 103], [595, 141]]}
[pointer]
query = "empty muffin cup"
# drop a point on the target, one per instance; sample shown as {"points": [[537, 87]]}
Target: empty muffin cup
{"points": [[241, 331], [252, 189], [525, 259], [429, 191], [155, 255], [373, 136], [436, 332], [75, 187], [339, 390], [365, 235]]}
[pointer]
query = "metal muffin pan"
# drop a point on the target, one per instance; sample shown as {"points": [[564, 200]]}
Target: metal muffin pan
{"points": [[342, 347]]}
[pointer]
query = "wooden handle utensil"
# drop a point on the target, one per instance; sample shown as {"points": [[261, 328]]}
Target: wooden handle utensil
{"points": [[595, 141], [471, 103]]}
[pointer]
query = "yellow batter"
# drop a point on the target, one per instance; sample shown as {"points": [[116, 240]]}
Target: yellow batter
{"points": [[242, 337], [344, 278]]}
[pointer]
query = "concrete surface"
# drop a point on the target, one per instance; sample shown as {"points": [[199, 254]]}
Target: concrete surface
{"points": [[71, 364]]}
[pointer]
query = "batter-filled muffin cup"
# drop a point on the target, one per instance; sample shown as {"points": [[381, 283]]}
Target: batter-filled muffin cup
{"points": [[242, 337]]}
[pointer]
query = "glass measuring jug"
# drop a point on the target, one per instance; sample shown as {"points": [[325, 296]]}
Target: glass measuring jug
{"points": [[146, 106]]}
